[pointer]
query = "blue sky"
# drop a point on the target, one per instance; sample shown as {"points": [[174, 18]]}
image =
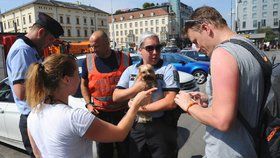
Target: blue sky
{"points": [[223, 6]]}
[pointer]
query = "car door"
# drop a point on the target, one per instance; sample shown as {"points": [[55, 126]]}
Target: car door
{"points": [[3, 104]]}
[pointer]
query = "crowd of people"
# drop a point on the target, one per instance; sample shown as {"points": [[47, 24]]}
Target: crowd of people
{"points": [[117, 96]]}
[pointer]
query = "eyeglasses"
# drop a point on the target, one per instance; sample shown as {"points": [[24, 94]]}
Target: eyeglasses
{"points": [[151, 48]]}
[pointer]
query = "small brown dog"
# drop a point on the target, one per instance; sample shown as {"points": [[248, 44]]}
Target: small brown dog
{"points": [[147, 74]]}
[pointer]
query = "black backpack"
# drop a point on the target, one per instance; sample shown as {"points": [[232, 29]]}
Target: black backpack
{"points": [[267, 134]]}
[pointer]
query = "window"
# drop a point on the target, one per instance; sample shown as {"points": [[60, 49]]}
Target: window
{"points": [[141, 23], [130, 25], [78, 33], [125, 32], [141, 31], [125, 25], [136, 24], [102, 23], [17, 22], [162, 21], [69, 33], [86, 33], [29, 17], [85, 20], [77, 21], [117, 26], [254, 1], [91, 22], [244, 24], [264, 14], [275, 13], [254, 8], [4, 25], [254, 15], [121, 33], [275, 6], [152, 29], [152, 22], [255, 23], [117, 33], [61, 19], [264, 7], [146, 29], [275, 21], [263, 22], [120, 26], [245, 3], [23, 19], [264, 1], [275, 0], [157, 29], [130, 31], [136, 31], [68, 20], [245, 10], [146, 23], [244, 16], [156, 22]]}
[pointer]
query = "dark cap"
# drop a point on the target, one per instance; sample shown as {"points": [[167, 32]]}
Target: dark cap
{"points": [[50, 24]]}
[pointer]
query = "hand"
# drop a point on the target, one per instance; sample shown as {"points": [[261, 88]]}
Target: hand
{"points": [[139, 84], [200, 97], [92, 109], [141, 98], [183, 99]]}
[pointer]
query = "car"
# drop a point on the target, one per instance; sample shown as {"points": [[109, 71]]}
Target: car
{"points": [[198, 69], [172, 49], [195, 55]]}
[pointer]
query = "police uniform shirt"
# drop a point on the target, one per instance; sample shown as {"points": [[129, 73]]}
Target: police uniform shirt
{"points": [[167, 78]]}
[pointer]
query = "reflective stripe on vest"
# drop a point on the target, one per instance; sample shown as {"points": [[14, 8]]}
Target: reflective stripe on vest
{"points": [[102, 85]]}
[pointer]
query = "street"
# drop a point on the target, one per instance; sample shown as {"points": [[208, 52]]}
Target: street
{"points": [[190, 132]]}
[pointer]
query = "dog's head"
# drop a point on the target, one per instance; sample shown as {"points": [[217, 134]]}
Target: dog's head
{"points": [[147, 73]]}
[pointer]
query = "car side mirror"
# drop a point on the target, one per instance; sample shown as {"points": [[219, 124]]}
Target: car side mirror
{"points": [[182, 62]]}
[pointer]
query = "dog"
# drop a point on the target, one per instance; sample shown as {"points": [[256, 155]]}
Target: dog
{"points": [[146, 74]]}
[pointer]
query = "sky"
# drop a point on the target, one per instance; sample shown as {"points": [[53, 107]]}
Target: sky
{"points": [[223, 6]]}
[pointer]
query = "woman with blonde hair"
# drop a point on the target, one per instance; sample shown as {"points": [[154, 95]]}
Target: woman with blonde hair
{"points": [[57, 130]]}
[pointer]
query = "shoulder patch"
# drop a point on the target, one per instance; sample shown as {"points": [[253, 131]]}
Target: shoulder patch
{"points": [[176, 75], [132, 77]]}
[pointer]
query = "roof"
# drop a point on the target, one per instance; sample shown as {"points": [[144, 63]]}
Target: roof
{"points": [[158, 11], [60, 4]]}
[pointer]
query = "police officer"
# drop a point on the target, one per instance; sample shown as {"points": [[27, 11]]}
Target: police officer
{"points": [[100, 74], [155, 137], [25, 51]]}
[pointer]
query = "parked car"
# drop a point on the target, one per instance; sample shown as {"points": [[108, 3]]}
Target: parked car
{"points": [[170, 50], [183, 63], [195, 55]]}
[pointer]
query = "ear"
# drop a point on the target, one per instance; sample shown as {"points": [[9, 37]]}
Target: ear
{"points": [[206, 27], [66, 79], [41, 32]]}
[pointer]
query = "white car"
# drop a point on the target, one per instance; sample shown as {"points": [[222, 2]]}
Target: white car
{"points": [[9, 114]]}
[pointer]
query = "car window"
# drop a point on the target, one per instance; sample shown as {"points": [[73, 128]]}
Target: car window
{"points": [[169, 59], [6, 93]]}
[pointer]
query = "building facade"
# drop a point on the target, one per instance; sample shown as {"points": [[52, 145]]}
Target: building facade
{"points": [[126, 27], [77, 20], [256, 14]]}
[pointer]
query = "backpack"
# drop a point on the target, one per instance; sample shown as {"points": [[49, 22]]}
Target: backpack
{"points": [[266, 135]]}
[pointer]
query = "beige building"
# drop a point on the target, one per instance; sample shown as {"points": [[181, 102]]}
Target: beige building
{"points": [[77, 20], [130, 25]]}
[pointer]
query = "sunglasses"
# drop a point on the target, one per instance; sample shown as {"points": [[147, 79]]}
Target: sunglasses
{"points": [[151, 48]]}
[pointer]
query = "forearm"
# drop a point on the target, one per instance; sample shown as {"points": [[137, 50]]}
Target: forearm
{"points": [[85, 93], [121, 95], [160, 105]]}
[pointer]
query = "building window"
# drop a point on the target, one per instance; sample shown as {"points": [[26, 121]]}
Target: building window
{"points": [[4, 25], [61, 19], [255, 23], [244, 16], [85, 20], [121, 33], [152, 22], [117, 26], [130, 31], [275, 6], [117, 33], [264, 7], [17, 22], [141, 23], [125, 25], [78, 33], [136, 24], [130, 25], [275, 0], [141, 31], [146, 23], [136, 31], [275, 13], [125, 32], [120, 26], [77, 21], [162, 21], [23, 19], [29, 17], [86, 33], [263, 23], [102, 23], [254, 1], [264, 14], [152, 29], [68, 20], [275, 21], [245, 3], [264, 1], [69, 33], [157, 29], [156, 22], [244, 24], [91, 22], [245, 10], [254, 8], [254, 15]]}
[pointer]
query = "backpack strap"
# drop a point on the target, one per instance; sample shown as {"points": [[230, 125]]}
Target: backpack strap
{"points": [[266, 70]]}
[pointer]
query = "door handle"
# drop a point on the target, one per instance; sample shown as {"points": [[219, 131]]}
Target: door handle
{"points": [[1, 111]]}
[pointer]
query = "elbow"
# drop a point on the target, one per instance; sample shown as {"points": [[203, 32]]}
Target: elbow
{"points": [[224, 126], [115, 96]]}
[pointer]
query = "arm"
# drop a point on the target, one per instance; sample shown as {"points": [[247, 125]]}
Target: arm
{"points": [[101, 131], [225, 81], [35, 149], [19, 89], [85, 90]]}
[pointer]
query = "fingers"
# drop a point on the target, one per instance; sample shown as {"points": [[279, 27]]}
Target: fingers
{"points": [[150, 91]]}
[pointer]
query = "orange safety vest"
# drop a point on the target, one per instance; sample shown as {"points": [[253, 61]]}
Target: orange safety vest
{"points": [[102, 85]]}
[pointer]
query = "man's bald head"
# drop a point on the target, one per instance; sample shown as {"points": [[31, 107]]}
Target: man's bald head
{"points": [[100, 44], [100, 35]]}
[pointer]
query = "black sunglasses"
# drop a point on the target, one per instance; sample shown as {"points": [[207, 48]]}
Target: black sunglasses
{"points": [[151, 48]]}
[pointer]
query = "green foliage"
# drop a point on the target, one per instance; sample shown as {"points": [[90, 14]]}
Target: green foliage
{"points": [[269, 34], [148, 5]]}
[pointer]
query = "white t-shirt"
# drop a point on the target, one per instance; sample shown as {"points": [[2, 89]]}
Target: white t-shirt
{"points": [[58, 131]]}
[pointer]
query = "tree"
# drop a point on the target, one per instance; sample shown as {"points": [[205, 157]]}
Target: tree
{"points": [[269, 34], [148, 5]]}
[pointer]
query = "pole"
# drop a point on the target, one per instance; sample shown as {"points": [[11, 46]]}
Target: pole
{"points": [[113, 28], [231, 15]]}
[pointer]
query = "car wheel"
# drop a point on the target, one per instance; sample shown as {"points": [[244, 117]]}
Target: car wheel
{"points": [[200, 76]]}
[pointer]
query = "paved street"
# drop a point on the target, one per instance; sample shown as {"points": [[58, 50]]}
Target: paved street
{"points": [[190, 137]]}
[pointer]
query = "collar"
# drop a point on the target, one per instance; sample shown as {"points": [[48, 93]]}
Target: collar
{"points": [[158, 65], [30, 43]]}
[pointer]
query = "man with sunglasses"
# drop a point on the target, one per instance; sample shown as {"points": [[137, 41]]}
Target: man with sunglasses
{"points": [[26, 50], [235, 88], [153, 137]]}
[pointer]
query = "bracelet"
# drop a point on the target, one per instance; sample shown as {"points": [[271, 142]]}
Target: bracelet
{"points": [[190, 105]]}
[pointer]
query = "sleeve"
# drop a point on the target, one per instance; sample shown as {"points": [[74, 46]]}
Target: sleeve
{"points": [[84, 70], [21, 62], [124, 80], [171, 79], [81, 120]]}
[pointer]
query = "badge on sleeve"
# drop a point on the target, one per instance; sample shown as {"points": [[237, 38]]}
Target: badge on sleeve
{"points": [[176, 75]]}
